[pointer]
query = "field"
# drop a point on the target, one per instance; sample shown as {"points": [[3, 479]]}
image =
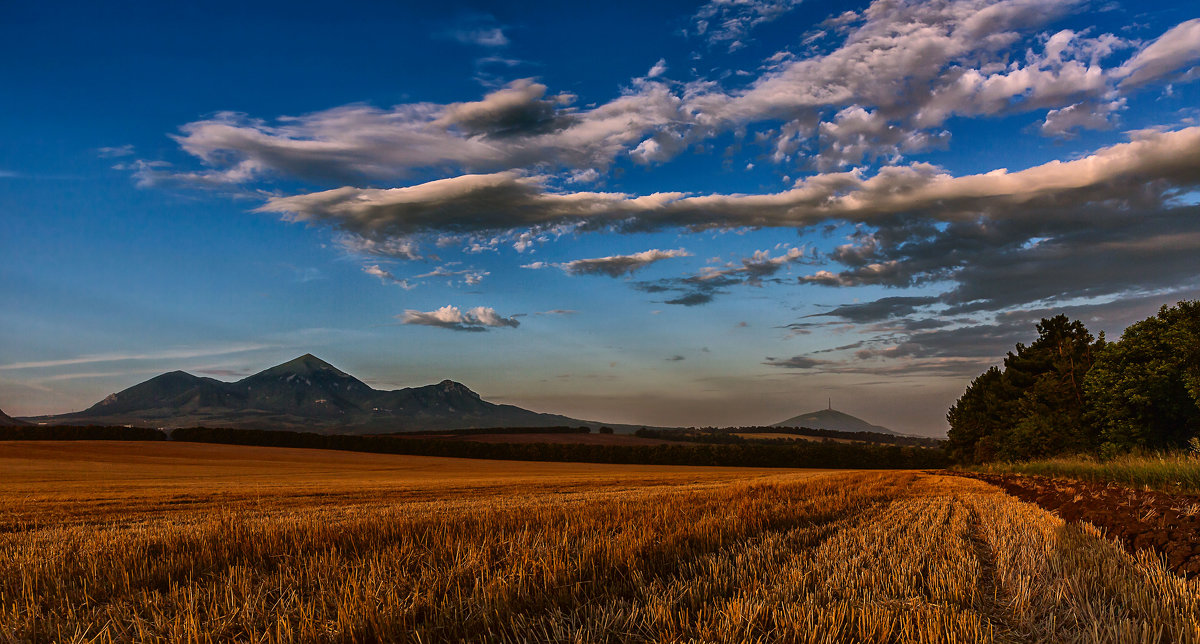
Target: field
{"points": [[183, 542]]}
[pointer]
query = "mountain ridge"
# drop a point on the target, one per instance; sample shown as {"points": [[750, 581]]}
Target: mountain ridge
{"points": [[306, 393], [9, 421]]}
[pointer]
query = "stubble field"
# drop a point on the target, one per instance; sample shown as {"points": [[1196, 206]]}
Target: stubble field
{"points": [[182, 542]]}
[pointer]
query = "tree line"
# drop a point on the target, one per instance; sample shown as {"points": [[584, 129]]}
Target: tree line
{"points": [[486, 431], [80, 433], [825, 455], [822, 454], [1070, 392], [730, 435]]}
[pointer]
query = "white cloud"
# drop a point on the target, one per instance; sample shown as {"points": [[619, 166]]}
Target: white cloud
{"points": [[928, 225], [899, 73], [480, 318], [612, 265], [856, 134], [1179, 46], [618, 265], [387, 277], [391, 247], [469, 276], [1089, 116], [588, 175], [1153, 161], [729, 22], [514, 126]]}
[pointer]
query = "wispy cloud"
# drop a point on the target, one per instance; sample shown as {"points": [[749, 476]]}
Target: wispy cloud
{"points": [[115, 152], [84, 375], [469, 276], [170, 354], [387, 277], [478, 29], [703, 287], [613, 265], [481, 36], [729, 22]]}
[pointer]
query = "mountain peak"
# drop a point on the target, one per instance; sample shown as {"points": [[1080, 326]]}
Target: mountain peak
{"points": [[456, 387], [174, 377], [303, 394], [303, 365], [833, 419]]}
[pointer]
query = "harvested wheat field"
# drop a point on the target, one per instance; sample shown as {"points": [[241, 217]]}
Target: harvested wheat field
{"points": [[179, 542]]}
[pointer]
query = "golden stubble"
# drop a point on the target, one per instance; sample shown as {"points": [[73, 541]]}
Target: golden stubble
{"points": [[342, 547]]}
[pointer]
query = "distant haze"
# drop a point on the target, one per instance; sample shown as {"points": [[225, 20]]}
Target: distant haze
{"points": [[663, 213]]}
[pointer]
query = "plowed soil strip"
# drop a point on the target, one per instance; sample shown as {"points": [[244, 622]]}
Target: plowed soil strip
{"points": [[1168, 524]]}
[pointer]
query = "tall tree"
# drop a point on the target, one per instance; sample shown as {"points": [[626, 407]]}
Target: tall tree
{"points": [[1035, 405], [1144, 390], [978, 417], [1048, 376]]}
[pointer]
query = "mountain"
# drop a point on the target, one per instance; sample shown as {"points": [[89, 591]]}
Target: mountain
{"points": [[833, 419], [305, 394], [9, 421]]}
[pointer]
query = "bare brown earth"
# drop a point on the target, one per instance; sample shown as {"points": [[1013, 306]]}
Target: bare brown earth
{"points": [[1168, 524]]}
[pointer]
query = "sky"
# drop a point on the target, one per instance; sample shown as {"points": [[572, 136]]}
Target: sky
{"points": [[669, 213]]}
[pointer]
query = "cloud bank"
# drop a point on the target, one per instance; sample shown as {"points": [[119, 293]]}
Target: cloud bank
{"points": [[999, 238], [900, 72]]}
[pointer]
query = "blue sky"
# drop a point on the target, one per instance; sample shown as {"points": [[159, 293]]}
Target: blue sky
{"points": [[665, 213]]}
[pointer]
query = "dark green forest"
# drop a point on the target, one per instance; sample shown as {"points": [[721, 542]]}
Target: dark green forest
{"points": [[823, 454], [814, 454], [729, 435], [1068, 392]]}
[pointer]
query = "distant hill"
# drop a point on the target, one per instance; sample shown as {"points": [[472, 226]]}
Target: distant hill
{"points": [[8, 421], [305, 394], [833, 419]]}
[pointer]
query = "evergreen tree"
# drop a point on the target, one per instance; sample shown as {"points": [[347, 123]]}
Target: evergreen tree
{"points": [[1033, 407], [1047, 379], [977, 417]]}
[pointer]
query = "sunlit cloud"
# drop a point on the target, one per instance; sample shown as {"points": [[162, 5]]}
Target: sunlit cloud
{"points": [[480, 318]]}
